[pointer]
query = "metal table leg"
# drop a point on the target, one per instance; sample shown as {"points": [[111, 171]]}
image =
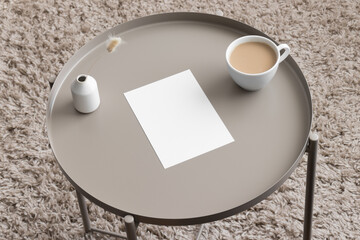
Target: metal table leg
{"points": [[87, 225], [310, 184], [84, 212], [198, 236], [130, 227]]}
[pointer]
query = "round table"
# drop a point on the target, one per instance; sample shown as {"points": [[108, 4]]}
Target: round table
{"points": [[108, 158]]}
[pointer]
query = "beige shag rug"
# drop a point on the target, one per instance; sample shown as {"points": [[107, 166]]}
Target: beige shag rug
{"points": [[38, 37]]}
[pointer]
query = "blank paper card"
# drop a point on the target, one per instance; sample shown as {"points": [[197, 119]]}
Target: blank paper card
{"points": [[178, 118]]}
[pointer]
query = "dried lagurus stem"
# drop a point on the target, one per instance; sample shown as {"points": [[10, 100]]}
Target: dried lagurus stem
{"points": [[113, 43]]}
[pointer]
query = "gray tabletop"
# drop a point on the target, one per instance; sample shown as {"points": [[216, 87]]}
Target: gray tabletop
{"points": [[108, 158]]}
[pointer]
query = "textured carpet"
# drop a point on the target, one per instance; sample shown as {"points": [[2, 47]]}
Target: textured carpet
{"points": [[37, 39]]}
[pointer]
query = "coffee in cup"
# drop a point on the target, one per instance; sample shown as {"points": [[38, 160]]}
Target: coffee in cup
{"points": [[253, 57], [253, 61]]}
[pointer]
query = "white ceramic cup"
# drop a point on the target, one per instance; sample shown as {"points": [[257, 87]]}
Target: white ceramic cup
{"points": [[254, 82]]}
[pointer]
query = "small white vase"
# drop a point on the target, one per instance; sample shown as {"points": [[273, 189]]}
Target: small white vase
{"points": [[85, 94]]}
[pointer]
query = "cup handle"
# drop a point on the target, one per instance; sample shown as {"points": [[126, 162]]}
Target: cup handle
{"points": [[285, 54]]}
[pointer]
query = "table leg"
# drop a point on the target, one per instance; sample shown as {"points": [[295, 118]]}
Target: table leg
{"points": [[130, 227], [86, 219], [198, 236], [310, 184], [84, 212]]}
